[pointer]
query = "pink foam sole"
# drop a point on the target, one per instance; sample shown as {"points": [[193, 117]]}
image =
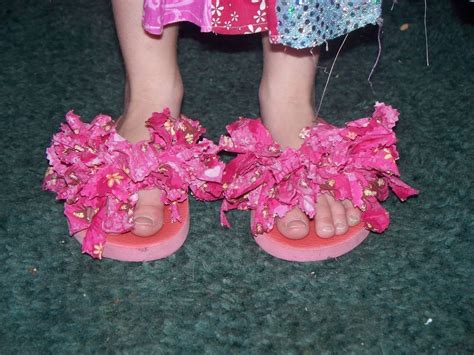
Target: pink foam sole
{"points": [[129, 247], [312, 247]]}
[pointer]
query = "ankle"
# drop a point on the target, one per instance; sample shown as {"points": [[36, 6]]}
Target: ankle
{"points": [[285, 114], [280, 92], [155, 94], [144, 99]]}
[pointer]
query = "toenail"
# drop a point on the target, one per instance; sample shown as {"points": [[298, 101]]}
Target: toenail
{"points": [[296, 224], [143, 221], [327, 229], [354, 219], [340, 227]]}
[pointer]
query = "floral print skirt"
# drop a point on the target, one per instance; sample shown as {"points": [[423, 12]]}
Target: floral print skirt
{"points": [[294, 23]]}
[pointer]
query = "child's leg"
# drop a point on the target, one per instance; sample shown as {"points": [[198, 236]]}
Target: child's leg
{"points": [[153, 82], [287, 106]]}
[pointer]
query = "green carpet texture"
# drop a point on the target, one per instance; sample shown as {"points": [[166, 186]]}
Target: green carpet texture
{"points": [[409, 290]]}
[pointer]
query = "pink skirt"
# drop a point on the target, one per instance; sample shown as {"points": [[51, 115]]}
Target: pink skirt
{"points": [[230, 17], [294, 23]]}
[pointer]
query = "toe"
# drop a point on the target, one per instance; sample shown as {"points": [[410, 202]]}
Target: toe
{"points": [[295, 224], [352, 213], [338, 212], [324, 224], [148, 220], [148, 213]]}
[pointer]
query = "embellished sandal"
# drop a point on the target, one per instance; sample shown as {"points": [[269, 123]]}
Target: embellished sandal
{"points": [[356, 162], [98, 174]]}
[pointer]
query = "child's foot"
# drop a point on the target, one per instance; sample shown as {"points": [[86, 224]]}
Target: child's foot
{"points": [[286, 105], [148, 213], [332, 217], [153, 83]]}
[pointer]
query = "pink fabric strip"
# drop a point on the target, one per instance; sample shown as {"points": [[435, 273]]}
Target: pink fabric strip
{"points": [[158, 13]]}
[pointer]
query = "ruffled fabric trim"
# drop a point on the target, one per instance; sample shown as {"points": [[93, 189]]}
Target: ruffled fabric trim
{"points": [[158, 13], [356, 162], [98, 173]]}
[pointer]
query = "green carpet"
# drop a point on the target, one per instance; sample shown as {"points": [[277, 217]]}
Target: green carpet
{"points": [[409, 290]]}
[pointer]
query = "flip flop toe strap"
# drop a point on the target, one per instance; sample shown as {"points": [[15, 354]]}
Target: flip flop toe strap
{"points": [[98, 173], [356, 162]]}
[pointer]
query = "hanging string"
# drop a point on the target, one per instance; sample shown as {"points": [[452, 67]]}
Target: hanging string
{"points": [[330, 72], [393, 4], [379, 39], [426, 35]]}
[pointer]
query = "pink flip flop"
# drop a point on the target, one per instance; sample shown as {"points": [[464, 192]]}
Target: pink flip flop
{"points": [[129, 247], [98, 174], [356, 163]]}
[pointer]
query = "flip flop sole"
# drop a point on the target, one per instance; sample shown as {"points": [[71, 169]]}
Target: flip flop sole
{"points": [[129, 247], [312, 247]]}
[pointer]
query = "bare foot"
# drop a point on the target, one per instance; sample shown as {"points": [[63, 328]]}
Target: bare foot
{"points": [[287, 106], [333, 217], [148, 213], [153, 82]]}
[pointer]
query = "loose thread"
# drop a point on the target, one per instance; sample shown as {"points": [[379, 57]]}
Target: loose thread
{"points": [[393, 4], [379, 39], [426, 35], [330, 72]]}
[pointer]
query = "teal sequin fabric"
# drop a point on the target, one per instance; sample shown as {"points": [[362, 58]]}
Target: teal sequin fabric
{"points": [[308, 23]]}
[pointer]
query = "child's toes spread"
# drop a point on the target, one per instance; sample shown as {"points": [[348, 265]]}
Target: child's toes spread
{"points": [[333, 218]]}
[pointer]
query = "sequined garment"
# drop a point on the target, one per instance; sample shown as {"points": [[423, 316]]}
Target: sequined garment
{"points": [[294, 23], [308, 23]]}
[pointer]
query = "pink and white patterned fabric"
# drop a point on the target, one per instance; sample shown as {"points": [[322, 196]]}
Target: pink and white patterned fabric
{"points": [[356, 163], [98, 173], [229, 17], [298, 24]]}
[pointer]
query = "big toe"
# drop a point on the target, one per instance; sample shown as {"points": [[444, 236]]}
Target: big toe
{"points": [[148, 214], [295, 224]]}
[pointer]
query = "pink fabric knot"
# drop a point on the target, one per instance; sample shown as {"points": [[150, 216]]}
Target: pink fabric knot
{"points": [[356, 162], [98, 173]]}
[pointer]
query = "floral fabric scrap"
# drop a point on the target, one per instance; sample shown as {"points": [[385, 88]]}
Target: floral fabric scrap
{"points": [[98, 173], [356, 162]]}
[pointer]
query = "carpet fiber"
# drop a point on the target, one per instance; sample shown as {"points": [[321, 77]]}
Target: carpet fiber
{"points": [[409, 290]]}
